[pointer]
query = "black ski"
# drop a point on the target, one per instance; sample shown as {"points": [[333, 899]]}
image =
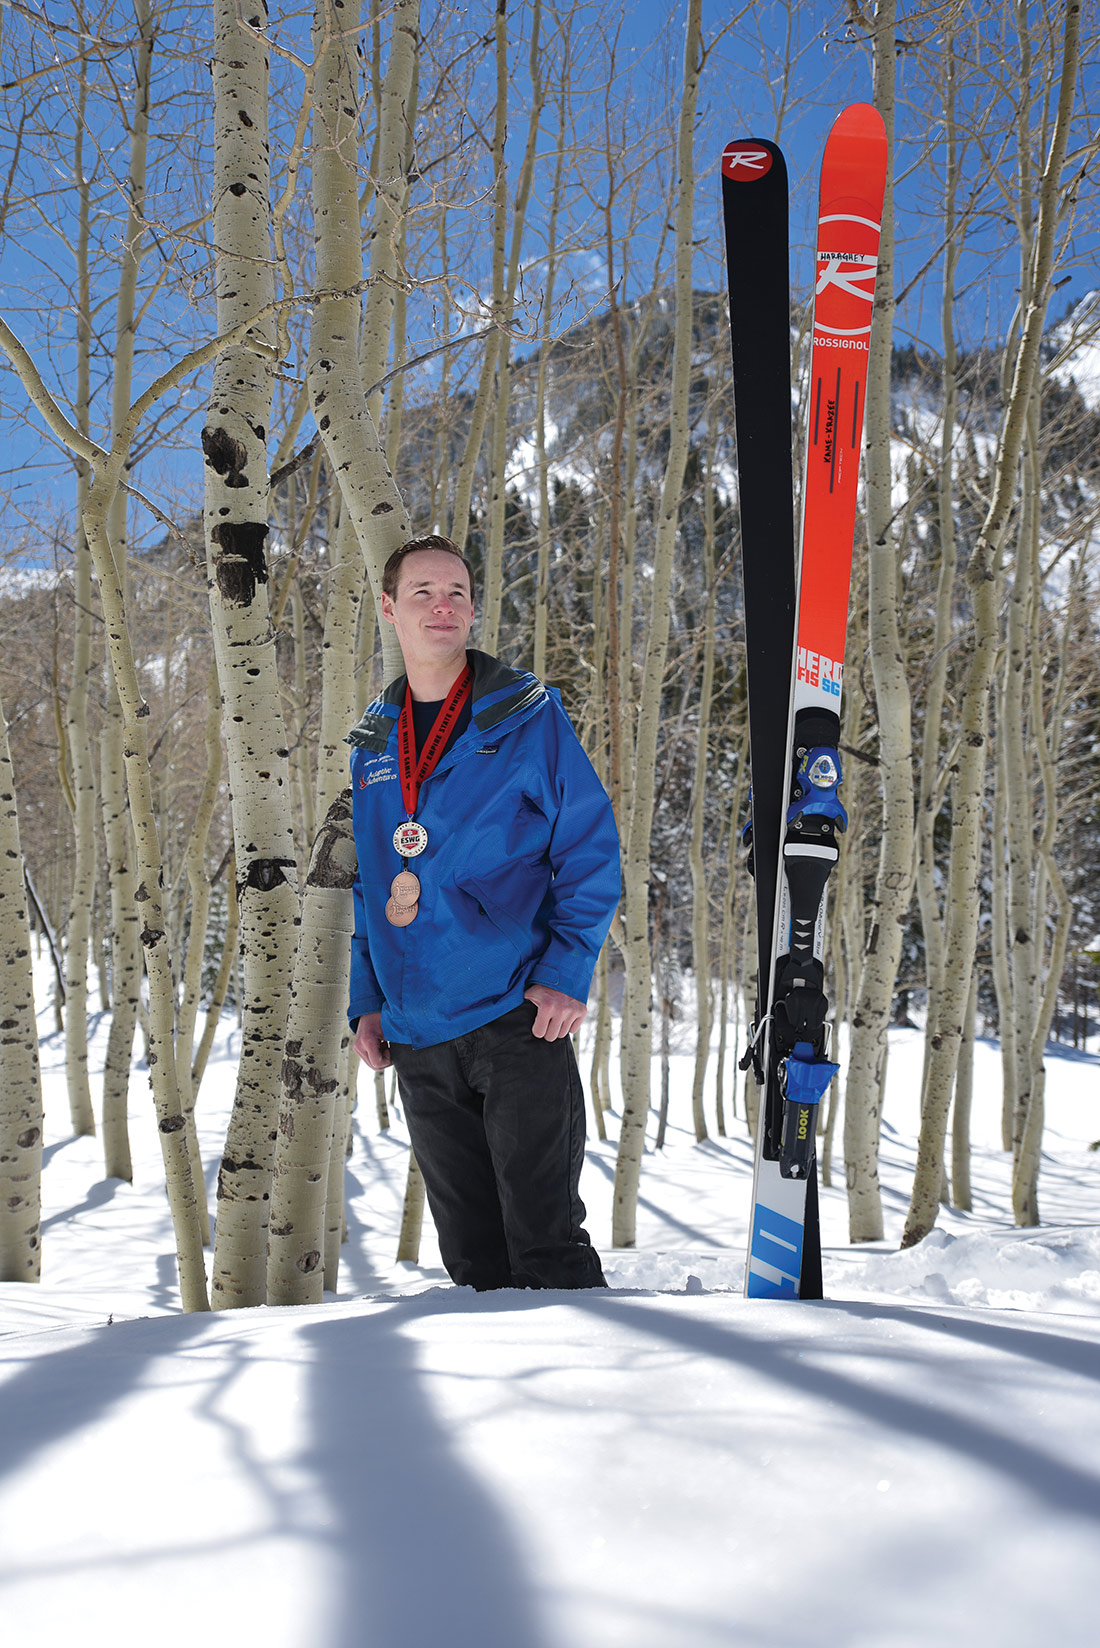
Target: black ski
{"points": [[754, 200]]}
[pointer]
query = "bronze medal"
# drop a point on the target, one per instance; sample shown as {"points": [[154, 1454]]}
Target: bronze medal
{"points": [[405, 888], [400, 915]]}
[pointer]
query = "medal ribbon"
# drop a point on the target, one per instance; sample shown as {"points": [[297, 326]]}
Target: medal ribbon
{"points": [[413, 772]]}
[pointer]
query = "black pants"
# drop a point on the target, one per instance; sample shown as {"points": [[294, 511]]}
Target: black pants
{"points": [[496, 1119]]}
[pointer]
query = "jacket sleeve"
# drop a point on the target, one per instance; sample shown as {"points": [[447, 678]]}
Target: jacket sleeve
{"points": [[364, 994], [584, 857]]}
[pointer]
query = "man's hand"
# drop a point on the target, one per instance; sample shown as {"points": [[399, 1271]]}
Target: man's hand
{"points": [[558, 1014], [369, 1045]]}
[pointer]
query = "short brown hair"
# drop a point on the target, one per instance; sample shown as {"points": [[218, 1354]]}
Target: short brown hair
{"points": [[391, 574]]}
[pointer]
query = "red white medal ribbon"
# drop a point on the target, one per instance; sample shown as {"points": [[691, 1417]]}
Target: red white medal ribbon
{"points": [[413, 772]]}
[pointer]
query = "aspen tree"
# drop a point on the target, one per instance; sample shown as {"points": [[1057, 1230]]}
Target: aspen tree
{"points": [[373, 506], [317, 1035], [493, 590], [542, 566], [20, 1078], [234, 442], [726, 942], [412, 1215], [700, 914], [961, 1192], [1022, 940], [191, 971], [1048, 721], [370, 496], [961, 907], [338, 695], [77, 736], [932, 779], [479, 410], [893, 885], [108, 467], [636, 1049], [117, 834], [220, 990]]}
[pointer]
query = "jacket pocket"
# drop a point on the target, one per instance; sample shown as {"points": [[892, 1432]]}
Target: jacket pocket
{"points": [[520, 938]]}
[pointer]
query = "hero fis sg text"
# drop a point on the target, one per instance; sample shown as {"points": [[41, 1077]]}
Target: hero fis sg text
{"points": [[818, 671]]}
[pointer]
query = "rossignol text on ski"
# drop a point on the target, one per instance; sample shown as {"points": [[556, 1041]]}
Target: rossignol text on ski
{"points": [[795, 627]]}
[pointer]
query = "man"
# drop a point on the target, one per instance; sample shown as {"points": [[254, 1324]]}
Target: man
{"points": [[488, 876]]}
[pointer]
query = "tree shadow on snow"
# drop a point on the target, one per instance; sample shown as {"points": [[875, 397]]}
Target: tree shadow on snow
{"points": [[1061, 1484], [427, 1552], [60, 1392]]}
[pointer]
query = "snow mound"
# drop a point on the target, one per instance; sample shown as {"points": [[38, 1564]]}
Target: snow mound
{"points": [[674, 1272], [1051, 1270]]}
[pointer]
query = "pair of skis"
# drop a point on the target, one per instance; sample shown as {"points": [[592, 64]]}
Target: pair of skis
{"points": [[796, 612]]}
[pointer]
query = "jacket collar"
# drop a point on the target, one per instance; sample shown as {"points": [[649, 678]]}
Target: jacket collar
{"points": [[499, 693]]}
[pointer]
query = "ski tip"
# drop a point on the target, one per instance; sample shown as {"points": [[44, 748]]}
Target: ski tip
{"points": [[748, 159], [859, 120]]}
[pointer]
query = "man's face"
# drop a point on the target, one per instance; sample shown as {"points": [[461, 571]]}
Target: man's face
{"points": [[433, 609]]}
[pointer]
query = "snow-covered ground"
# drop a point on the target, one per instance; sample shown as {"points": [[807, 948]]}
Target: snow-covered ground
{"points": [[664, 1465]]}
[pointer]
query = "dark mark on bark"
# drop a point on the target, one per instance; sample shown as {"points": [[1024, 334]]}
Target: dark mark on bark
{"points": [[264, 874], [226, 456], [242, 563]]}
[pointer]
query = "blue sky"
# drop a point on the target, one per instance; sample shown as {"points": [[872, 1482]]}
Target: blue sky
{"points": [[807, 49]]}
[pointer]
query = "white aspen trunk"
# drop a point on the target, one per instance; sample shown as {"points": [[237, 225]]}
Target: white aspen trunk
{"points": [[1048, 722], [636, 1036], [369, 493], [191, 972], [337, 1172], [117, 834], [316, 1045], [441, 466], [479, 411], [493, 582], [234, 442], [395, 97], [725, 951], [601, 1047], [381, 1101], [301, 776], [542, 566], [893, 883], [171, 1125], [982, 576], [412, 1215], [20, 1077], [961, 1191], [340, 356], [1024, 940], [221, 984], [338, 643], [77, 736], [700, 911], [930, 763], [391, 426], [999, 944]]}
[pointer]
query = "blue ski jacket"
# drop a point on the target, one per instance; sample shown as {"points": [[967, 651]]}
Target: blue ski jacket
{"points": [[520, 877]]}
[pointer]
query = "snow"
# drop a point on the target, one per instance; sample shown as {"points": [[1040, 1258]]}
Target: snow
{"points": [[662, 1465]]}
